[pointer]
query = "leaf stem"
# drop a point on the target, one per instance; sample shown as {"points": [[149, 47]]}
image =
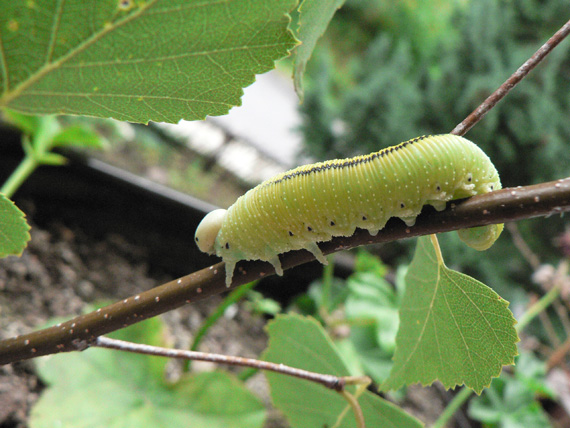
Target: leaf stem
{"points": [[437, 249], [357, 410], [19, 175], [454, 405]]}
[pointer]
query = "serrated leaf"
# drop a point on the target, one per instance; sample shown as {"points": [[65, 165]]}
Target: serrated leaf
{"points": [[301, 342], [105, 388], [161, 60], [14, 235], [314, 18], [453, 328]]}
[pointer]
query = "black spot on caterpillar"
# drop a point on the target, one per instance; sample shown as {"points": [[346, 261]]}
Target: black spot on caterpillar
{"points": [[314, 203]]}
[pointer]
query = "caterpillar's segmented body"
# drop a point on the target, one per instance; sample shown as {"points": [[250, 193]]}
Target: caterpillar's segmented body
{"points": [[314, 203]]}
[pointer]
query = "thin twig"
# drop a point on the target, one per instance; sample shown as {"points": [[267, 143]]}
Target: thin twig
{"points": [[496, 207], [549, 329], [562, 314], [329, 381], [511, 82], [79, 333], [545, 301], [522, 246], [558, 356]]}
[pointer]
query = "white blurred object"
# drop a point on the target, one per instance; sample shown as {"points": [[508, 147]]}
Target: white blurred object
{"points": [[255, 141]]}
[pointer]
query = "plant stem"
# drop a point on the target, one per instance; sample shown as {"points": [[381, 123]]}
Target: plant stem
{"points": [[437, 249], [245, 374], [77, 334], [454, 405], [539, 306], [232, 298], [20, 174]]}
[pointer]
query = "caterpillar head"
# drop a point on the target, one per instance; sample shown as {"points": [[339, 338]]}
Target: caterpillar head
{"points": [[208, 229]]}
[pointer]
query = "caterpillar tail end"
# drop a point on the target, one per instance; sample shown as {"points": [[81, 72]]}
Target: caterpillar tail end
{"points": [[481, 238]]}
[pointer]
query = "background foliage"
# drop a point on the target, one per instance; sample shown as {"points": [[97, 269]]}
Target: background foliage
{"points": [[437, 64]]}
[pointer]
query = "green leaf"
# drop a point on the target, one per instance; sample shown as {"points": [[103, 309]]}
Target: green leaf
{"points": [[79, 136], [301, 342], [452, 328], [105, 388], [372, 307], [29, 124], [509, 403], [161, 60], [314, 18], [14, 235]]}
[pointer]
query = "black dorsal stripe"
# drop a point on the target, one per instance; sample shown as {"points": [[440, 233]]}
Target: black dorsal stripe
{"points": [[345, 163]]}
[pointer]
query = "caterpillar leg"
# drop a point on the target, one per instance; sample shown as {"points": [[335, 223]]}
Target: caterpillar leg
{"points": [[314, 248], [277, 265], [438, 205], [230, 267]]}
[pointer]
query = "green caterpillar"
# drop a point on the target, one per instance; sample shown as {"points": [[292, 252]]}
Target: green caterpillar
{"points": [[314, 203]]}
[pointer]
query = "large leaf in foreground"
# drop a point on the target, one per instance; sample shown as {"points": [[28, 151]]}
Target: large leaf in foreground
{"points": [[161, 60], [14, 235], [105, 388], [452, 328], [301, 342]]}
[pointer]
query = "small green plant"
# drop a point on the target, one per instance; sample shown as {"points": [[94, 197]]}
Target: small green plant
{"points": [[511, 400], [41, 135], [452, 328], [101, 388]]}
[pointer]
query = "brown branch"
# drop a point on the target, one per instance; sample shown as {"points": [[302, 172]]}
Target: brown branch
{"points": [[497, 207], [335, 383], [511, 82], [77, 334]]}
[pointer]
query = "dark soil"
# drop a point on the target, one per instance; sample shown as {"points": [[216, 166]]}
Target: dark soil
{"points": [[62, 271]]}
